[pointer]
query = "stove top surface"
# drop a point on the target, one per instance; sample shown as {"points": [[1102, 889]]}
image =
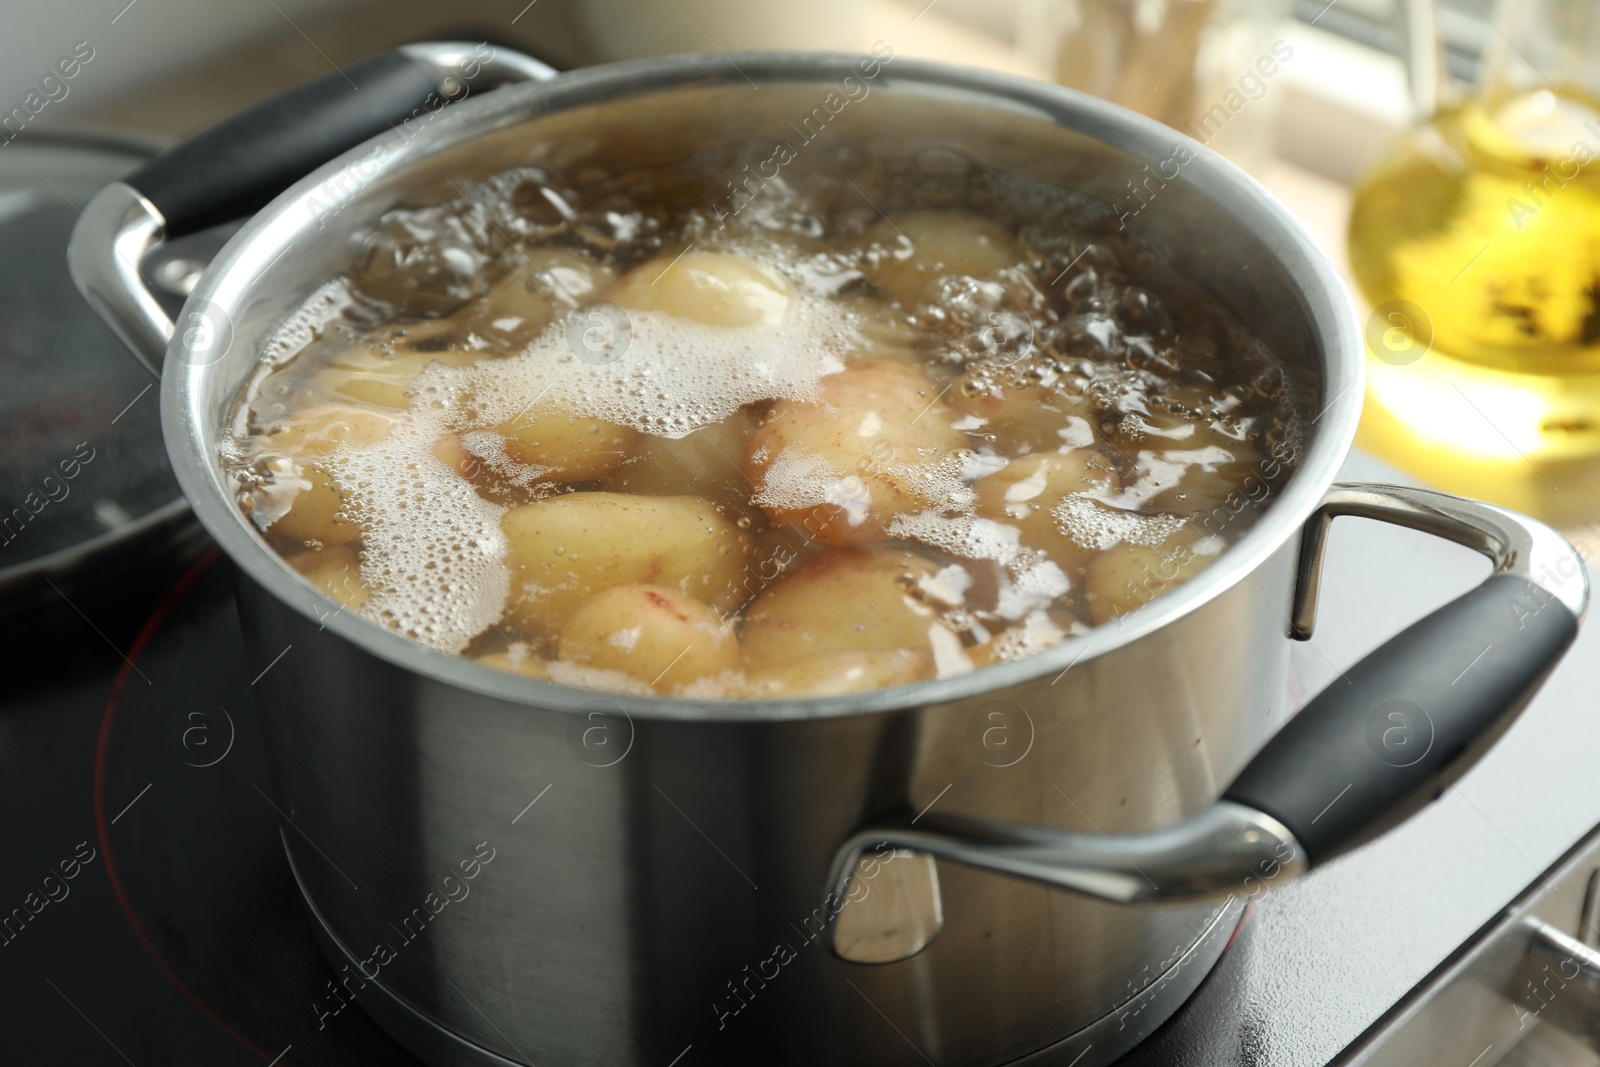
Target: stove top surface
{"points": [[129, 755]]}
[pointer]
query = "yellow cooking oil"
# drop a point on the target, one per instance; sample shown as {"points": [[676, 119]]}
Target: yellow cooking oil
{"points": [[1477, 246]]}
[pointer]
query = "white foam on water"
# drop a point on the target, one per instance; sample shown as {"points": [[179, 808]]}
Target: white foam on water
{"points": [[674, 376], [1160, 471], [490, 447], [1094, 525], [432, 548], [564, 672], [1037, 632], [800, 478], [319, 309], [1032, 580], [625, 638]]}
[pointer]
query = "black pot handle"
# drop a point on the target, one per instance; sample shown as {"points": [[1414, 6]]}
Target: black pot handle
{"points": [[232, 169], [1402, 725], [235, 167], [1377, 745]]}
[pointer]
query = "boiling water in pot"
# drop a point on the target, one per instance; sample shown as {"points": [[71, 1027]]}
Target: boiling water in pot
{"points": [[821, 431]]}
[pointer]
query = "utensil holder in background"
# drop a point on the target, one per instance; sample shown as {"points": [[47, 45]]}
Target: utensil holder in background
{"points": [[1205, 67]]}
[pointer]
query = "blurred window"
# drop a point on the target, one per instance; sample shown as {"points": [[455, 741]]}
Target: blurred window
{"points": [[1464, 25]]}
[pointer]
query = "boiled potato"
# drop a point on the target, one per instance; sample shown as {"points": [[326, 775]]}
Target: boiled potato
{"points": [[1021, 416], [1026, 492], [714, 288], [921, 247], [842, 469], [514, 660], [293, 451], [1127, 577], [565, 448], [519, 306], [848, 600], [657, 635], [565, 549], [560, 448], [833, 673], [385, 379], [1209, 477], [514, 311], [880, 330], [572, 277], [335, 570], [710, 460], [1190, 467]]}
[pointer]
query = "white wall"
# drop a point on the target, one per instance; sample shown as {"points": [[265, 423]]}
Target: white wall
{"points": [[152, 37]]}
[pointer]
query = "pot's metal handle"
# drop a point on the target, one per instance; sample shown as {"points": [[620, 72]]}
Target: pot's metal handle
{"points": [[1370, 750], [233, 168], [1412, 717]]}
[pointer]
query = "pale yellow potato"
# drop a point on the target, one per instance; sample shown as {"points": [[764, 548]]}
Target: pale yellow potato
{"points": [[709, 462], [384, 379], [514, 660], [1027, 490], [847, 600], [316, 511], [1189, 467], [1021, 417], [1126, 577], [565, 448], [546, 280], [572, 277], [336, 570], [833, 673], [562, 448], [880, 330], [842, 469], [714, 288], [1212, 475], [319, 430], [921, 247], [431, 336], [659, 636], [565, 549]]}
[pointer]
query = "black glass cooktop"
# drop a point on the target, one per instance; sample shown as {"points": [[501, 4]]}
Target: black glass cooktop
{"points": [[151, 918]]}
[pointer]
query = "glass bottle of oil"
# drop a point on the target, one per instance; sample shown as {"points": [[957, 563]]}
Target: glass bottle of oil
{"points": [[1477, 244]]}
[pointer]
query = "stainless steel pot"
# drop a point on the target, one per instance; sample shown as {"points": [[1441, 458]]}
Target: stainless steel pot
{"points": [[506, 871]]}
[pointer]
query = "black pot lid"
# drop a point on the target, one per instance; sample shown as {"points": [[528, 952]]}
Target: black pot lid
{"points": [[85, 486]]}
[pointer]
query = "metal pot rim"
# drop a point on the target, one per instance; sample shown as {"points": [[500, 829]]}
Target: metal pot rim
{"points": [[255, 248]]}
